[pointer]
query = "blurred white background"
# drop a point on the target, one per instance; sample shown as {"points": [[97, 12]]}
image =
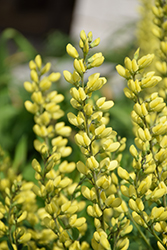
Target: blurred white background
{"points": [[105, 17]]}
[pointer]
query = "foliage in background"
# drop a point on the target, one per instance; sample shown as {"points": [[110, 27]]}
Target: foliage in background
{"points": [[116, 187]]}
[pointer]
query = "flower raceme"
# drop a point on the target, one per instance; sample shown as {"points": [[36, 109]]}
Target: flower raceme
{"points": [[146, 185], [60, 214], [98, 143], [102, 182]]}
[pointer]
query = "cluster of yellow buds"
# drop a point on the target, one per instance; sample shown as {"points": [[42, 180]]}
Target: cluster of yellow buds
{"points": [[17, 206], [60, 213], [100, 146], [145, 38], [147, 184], [159, 29]]}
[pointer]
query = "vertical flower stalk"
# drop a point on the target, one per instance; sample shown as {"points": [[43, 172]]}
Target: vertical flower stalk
{"points": [[159, 31], [98, 144], [55, 187], [147, 183]]}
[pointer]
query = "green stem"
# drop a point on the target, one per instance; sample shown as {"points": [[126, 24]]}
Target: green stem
{"points": [[156, 236], [99, 199], [141, 233]]}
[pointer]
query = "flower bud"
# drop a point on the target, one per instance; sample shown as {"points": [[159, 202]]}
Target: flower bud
{"points": [[72, 51]]}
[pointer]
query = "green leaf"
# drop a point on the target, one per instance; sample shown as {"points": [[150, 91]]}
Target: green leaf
{"points": [[20, 153], [61, 223], [25, 248], [75, 233], [22, 43], [9, 245], [7, 112]]}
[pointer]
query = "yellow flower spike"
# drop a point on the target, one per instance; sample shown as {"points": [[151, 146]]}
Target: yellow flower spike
{"points": [[31, 107], [92, 163], [54, 77], [38, 61], [34, 76], [123, 174], [71, 50], [46, 68], [145, 61], [104, 242], [160, 246], [83, 35], [68, 76]]}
